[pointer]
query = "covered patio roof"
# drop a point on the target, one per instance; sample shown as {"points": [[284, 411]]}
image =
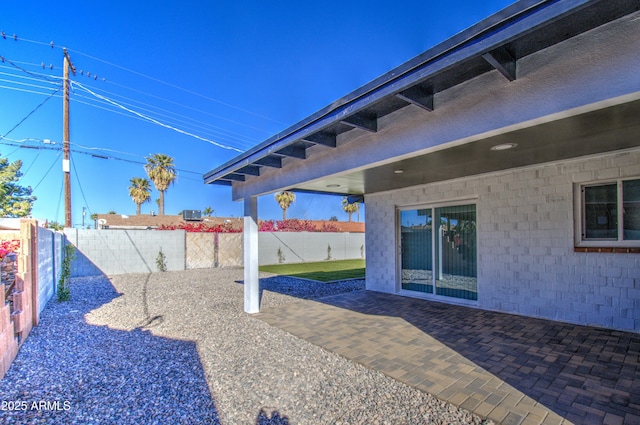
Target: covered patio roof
{"points": [[495, 44]]}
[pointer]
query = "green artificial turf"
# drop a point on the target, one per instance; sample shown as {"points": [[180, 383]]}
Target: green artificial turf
{"points": [[324, 271]]}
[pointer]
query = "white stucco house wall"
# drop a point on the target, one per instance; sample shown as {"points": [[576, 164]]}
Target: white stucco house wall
{"points": [[500, 169]]}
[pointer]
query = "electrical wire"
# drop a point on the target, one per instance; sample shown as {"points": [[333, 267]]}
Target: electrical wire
{"points": [[59, 148], [30, 113], [105, 150], [59, 202], [191, 108], [230, 139], [24, 90], [46, 78], [187, 119], [220, 145], [47, 173], [251, 141], [176, 87], [80, 185], [157, 80], [22, 77], [223, 134], [30, 166], [20, 83]]}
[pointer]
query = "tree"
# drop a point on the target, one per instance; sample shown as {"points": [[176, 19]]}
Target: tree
{"points": [[162, 172], [350, 208], [208, 211], [285, 199], [15, 200], [94, 217], [140, 192], [54, 225]]}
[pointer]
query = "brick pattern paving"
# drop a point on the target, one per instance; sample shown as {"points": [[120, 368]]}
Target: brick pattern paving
{"points": [[511, 369]]}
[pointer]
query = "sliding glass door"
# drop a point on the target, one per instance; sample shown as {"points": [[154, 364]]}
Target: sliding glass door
{"points": [[438, 251]]}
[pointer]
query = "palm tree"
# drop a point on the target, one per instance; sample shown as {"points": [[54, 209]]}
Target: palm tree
{"points": [[208, 211], [140, 192], [349, 208], [285, 199], [94, 217], [162, 172]]}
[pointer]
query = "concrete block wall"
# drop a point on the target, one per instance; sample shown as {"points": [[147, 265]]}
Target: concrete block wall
{"points": [[112, 251], [526, 259], [49, 263], [16, 325], [299, 247]]}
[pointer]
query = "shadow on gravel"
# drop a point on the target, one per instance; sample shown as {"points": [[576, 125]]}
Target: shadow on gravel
{"points": [[275, 418], [94, 374]]}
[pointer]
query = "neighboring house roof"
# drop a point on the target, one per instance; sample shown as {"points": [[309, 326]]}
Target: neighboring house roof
{"points": [[144, 220], [495, 44], [342, 226]]}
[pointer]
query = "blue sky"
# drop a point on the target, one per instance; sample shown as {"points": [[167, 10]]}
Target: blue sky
{"points": [[196, 80]]}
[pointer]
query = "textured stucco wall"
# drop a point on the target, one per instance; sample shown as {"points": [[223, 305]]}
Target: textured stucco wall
{"points": [[526, 259]]}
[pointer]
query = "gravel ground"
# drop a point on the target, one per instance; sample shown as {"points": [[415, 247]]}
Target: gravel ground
{"points": [[177, 348]]}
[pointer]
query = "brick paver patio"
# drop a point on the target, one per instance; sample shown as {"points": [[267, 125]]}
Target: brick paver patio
{"points": [[511, 369]]}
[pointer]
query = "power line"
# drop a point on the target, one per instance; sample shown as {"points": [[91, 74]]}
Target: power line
{"points": [[251, 141], [191, 108], [234, 137], [220, 145], [23, 77], [47, 173], [20, 83], [178, 87], [157, 80], [30, 166], [217, 134], [204, 125], [24, 90], [106, 150], [80, 186], [30, 113], [55, 148], [46, 78]]}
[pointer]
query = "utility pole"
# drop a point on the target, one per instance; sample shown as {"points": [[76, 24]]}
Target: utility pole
{"points": [[66, 169]]}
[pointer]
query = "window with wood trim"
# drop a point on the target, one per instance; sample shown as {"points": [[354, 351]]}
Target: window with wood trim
{"points": [[610, 214]]}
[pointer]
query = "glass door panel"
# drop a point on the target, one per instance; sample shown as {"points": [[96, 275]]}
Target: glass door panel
{"points": [[416, 253], [456, 274], [438, 250]]}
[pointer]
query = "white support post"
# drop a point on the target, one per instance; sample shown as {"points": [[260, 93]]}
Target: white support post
{"points": [[251, 280]]}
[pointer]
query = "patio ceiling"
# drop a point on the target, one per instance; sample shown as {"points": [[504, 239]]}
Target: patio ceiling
{"points": [[496, 43], [604, 130]]}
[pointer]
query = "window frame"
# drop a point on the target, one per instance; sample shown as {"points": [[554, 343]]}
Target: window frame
{"points": [[433, 206], [580, 216]]}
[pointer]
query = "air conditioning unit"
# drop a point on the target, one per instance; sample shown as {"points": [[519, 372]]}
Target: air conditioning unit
{"points": [[192, 215]]}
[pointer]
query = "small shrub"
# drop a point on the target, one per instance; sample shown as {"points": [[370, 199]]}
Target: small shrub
{"points": [[281, 257], [329, 227], [64, 293], [161, 261]]}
